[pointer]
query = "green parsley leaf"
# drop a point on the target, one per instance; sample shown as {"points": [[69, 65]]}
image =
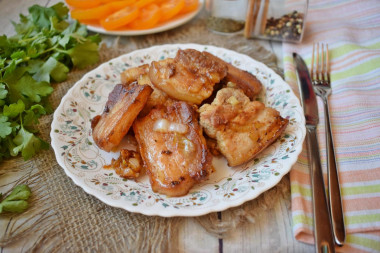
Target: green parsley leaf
{"points": [[24, 27], [84, 54], [28, 144], [29, 89], [16, 201], [34, 66], [5, 126], [53, 68], [10, 69], [5, 47], [12, 76], [20, 192], [3, 91], [33, 114], [3, 94], [41, 15], [58, 25], [13, 110], [61, 10]]}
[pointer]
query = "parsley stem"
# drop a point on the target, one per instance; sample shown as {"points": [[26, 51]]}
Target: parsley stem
{"points": [[61, 51], [29, 39], [55, 47]]}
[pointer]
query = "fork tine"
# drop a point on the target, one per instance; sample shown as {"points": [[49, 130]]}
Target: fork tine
{"points": [[312, 64], [327, 65], [322, 63], [317, 72]]}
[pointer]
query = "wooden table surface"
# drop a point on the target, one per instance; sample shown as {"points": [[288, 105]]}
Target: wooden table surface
{"points": [[272, 233]]}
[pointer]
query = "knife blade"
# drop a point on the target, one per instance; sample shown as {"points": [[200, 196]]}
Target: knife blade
{"points": [[323, 236]]}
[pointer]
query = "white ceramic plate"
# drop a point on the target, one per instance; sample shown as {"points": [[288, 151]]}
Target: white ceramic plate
{"points": [[83, 161], [180, 20]]}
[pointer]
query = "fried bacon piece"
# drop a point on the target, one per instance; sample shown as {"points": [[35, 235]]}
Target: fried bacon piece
{"points": [[189, 77], [242, 128], [242, 79], [128, 165], [123, 105], [140, 75], [173, 148], [132, 74]]}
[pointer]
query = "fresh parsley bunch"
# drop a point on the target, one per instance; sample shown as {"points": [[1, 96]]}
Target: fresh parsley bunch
{"points": [[43, 50]]}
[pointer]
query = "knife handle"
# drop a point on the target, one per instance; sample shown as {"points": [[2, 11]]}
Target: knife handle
{"points": [[335, 201], [323, 236]]}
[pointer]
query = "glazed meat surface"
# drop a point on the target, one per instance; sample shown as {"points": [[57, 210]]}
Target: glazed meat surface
{"points": [[124, 104], [140, 75], [132, 74], [241, 78], [242, 128], [173, 148], [189, 77]]}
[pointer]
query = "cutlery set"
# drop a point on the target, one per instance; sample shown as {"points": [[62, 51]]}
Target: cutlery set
{"points": [[327, 211]]}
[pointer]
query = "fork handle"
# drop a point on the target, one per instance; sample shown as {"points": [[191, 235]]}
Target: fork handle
{"points": [[334, 194], [323, 235]]}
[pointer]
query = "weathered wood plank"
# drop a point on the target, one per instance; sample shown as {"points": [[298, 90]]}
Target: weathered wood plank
{"points": [[194, 238], [271, 232]]}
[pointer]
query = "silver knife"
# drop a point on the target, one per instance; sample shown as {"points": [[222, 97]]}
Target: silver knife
{"points": [[324, 240]]}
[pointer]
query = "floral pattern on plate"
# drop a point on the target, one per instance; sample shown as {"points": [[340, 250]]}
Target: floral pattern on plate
{"points": [[227, 187]]}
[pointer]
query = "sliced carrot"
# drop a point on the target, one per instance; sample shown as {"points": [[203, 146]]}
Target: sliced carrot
{"points": [[95, 13], [83, 4], [190, 6], [110, 1], [120, 18], [142, 3], [148, 18], [117, 5], [170, 8]]}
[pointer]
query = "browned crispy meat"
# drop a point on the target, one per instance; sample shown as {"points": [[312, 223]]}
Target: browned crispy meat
{"points": [[128, 165], [173, 148], [212, 146], [242, 128], [189, 77], [140, 75], [132, 74], [123, 105], [242, 79], [155, 99]]}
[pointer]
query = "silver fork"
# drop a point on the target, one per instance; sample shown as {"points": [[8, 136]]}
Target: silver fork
{"points": [[322, 87]]}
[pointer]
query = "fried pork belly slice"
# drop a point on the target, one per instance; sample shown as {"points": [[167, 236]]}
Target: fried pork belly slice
{"points": [[241, 78], [140, 75], [132, 74], [189, 77], [173, 148], [123, 105], [242, 128], [155, 99], [128, 165]]}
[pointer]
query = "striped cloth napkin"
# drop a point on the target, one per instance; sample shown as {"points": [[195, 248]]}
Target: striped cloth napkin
{"points": [[352, 30]]}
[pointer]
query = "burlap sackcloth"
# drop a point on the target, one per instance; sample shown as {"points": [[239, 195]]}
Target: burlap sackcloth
{"points": [[62, 217]]}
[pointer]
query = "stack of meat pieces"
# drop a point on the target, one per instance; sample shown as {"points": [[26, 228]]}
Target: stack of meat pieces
{"points": [[169, 103]]}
